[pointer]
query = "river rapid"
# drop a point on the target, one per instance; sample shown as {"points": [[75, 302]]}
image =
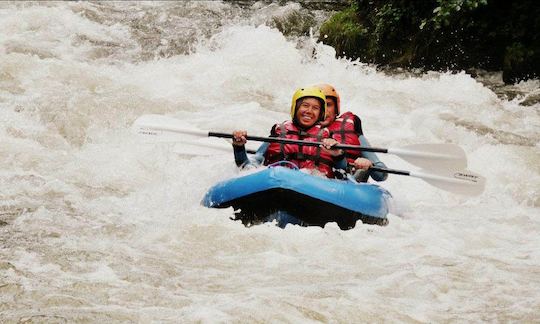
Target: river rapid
{"points": [[97, 225]]}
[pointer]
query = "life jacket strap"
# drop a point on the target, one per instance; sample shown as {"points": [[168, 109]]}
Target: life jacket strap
{"points": [[302, 156]]}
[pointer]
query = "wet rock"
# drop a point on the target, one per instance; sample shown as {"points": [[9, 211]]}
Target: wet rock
{"points": [[531, 100]]}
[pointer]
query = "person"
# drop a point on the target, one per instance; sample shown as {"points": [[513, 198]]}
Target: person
{"points": [[347, 129], [307, 111]]}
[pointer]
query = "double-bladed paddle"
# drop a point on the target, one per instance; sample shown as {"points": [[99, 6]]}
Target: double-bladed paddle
{"points": [[426, 156], [462, 182], [444, 165]]}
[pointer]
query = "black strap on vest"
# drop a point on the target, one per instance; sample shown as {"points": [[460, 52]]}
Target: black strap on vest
{"points": [[342, 131], [300, 155], [317, 159], [282, 134], [357, 130]]}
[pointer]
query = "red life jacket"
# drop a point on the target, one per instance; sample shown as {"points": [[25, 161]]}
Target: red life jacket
{"points": [[346, 129], [308, 157]]}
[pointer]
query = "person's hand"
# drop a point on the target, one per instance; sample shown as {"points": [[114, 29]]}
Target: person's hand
{"points": [[239, 138], [362, 164], [328, 145]]}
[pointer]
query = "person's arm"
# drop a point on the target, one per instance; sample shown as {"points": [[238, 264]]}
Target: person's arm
{"points": [[258, 157], [377, 176], [340, 162], [240, 155], [338, 156], [239, 148]]}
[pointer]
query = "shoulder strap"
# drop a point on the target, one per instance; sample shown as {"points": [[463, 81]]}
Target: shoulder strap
{"points": [[283, 134], [342, 129], [358, 125]]}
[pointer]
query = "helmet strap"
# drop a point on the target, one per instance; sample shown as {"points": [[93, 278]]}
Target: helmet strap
{"points": [[334, 99]]}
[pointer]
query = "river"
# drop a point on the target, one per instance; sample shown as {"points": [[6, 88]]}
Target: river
{"points": [[99, 226]]}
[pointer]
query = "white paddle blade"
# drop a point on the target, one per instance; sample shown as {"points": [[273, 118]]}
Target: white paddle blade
{"points": [[433, 156], [201, 148], [158, 125], [462, 182], [190, 140]]}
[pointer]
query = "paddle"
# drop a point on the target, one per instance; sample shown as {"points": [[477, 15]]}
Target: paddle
{"points": [[195, 148], [426, 156], [463, 182], [184, 144]]}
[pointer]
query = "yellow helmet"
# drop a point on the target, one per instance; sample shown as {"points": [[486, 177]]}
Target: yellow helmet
{"points": [[330, 91], [313, 92]]}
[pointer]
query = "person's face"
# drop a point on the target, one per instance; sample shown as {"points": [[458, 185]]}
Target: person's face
{"points": [[308, 112], [330, 113]]}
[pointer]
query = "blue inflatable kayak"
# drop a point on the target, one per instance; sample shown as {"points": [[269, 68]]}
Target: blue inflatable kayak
{"points": [[291, 196]]}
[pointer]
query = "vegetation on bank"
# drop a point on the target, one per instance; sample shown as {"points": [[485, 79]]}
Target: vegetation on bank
{"points": [[441, 35]]}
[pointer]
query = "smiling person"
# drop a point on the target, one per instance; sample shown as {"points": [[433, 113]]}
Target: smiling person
{"points": [[347, 129], [307, 111]]}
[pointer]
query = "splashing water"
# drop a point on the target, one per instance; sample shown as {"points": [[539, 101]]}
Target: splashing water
{"points": [[97, 225]]}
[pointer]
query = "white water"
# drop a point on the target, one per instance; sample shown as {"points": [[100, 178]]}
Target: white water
{"points": [[97, 226]]}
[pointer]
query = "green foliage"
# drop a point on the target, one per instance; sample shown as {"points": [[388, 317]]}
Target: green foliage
{"points": [[344, 31], [387, 19], [447, 9], [345, 22], [441, 34]]}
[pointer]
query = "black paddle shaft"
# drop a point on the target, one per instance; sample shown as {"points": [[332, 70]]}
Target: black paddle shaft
{"points": [[307, 143], [392, 171]]}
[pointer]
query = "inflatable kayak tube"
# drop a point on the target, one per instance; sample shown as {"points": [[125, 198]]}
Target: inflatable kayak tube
{"points": [[294, 197]]}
